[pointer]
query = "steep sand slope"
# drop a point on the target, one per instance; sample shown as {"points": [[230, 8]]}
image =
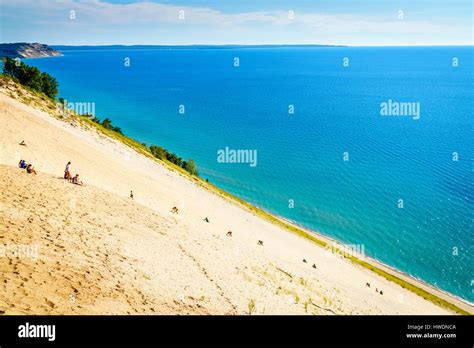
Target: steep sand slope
{"points": [[101, 252]]}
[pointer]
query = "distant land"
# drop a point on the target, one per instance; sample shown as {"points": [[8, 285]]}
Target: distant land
{"points": [[37, 50], [124, 47], [27, 50]]}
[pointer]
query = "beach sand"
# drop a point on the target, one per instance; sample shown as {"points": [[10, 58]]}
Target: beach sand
{"points": [[100, 252]]}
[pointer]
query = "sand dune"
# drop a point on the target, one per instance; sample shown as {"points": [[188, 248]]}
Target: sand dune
{"points": [[100, 252]]}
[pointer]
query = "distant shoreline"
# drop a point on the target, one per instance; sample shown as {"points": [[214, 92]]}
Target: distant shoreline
{"points": [[27, 50], [145, 47]]}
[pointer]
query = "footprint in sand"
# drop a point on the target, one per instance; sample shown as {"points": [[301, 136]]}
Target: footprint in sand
{"points": [[49, 303]]}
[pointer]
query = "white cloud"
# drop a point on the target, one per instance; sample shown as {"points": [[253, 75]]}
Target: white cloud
{"points": [[103, 17]]}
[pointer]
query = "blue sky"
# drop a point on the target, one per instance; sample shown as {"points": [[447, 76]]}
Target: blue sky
{"points": [[344, 22]]}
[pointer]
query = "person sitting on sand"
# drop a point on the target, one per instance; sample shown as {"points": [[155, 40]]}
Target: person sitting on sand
{"points": [[206, 219], [76, 180], [314, 266], [229, 234], [30, 169], [174, 210], [67, 173], [260, 242], [22, 164], [23, 143]]}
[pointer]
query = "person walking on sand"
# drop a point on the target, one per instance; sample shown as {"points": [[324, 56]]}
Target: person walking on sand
{"points": [[67, 172], [131, 194]]}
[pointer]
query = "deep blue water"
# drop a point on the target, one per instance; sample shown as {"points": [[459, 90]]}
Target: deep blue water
{"points": [[300, 155]]}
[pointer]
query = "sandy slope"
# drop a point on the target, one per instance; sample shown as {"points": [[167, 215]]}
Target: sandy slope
{"points": [[101, 252]]}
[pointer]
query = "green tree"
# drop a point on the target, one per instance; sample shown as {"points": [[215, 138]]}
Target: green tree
{"points": [[9, 67], [158, 152], [190, 167], [107, 123], [49, 85], [174, 159], [31, 77]]}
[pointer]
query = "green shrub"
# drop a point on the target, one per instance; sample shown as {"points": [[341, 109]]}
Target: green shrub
{"points": [[190, 167], [164, 154], [252, 307], [31, 77]]}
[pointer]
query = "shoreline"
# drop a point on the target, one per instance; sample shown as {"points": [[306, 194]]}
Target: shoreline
{"points": [[463, 304], [379, 263], [397, 272], [367, 264]]}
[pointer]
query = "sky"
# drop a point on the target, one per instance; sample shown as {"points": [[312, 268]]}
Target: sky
{"points": [[246, 22]]}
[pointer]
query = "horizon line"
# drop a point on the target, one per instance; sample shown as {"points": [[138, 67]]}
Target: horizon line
{"points": [[250, 45]]}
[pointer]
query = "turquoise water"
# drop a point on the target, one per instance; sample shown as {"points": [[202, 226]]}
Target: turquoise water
{"points": [[300, 155]]}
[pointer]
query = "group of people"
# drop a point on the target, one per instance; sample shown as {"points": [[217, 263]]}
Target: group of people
{"points": [[29, 167], [67, 174], [69, 177], [314, 265], [376, 289], [229, 234]]}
